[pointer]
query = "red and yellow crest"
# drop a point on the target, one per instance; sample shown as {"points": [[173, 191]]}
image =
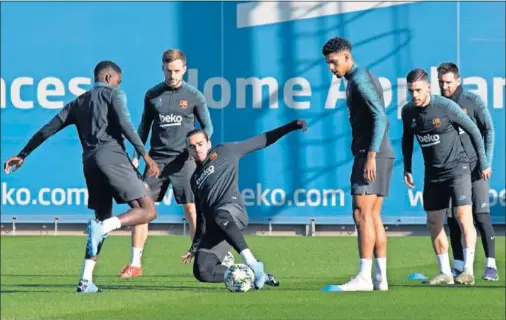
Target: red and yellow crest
{"points": [[436, 122], [213, 156], [183, 104]]}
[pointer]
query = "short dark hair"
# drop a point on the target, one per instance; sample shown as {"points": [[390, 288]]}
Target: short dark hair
{"points": [[197, 131], [173, 55], [336, 45], [417, 75], [447, 67], [104, 66]]}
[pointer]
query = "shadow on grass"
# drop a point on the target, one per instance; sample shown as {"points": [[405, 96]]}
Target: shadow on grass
{"points": [[218, 288], [22, 291]]}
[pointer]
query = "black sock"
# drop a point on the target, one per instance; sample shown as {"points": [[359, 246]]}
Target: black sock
{"points": [[484, 224], [455, 238]]}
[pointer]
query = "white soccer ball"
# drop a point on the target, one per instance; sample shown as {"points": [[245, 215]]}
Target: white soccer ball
{"points": [[239, 278]]}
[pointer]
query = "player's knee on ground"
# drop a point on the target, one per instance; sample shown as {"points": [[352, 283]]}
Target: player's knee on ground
{"points": [[204, 266]]}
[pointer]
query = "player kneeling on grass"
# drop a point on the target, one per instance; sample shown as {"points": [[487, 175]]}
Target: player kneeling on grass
{"points": [[221, 214], [435, 121], [102, 119]]}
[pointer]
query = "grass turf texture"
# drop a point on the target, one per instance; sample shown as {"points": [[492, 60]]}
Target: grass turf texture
{"points": [[39, 275]]}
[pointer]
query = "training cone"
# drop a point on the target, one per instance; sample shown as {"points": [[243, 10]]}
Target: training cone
{"points": [[331, 288], [417, 276]]}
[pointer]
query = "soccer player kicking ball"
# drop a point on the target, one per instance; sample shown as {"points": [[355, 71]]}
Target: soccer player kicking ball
{"points": [[473, 106], [372, 166], [170, 110], [435, 121], [221, 214], [101, 118]]}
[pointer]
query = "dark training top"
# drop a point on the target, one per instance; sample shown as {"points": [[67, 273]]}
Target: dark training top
{"points": [[366, 107], [215, 181], [101, 118], [478, 112], [170, 113], [436, 128]]}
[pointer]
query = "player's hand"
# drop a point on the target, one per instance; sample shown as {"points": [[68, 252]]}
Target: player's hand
{"points": [[135, 162], [152, 167], [13, 163], [187, 258], [408, 180], [370, 170], [301, 124], [485, 174]]}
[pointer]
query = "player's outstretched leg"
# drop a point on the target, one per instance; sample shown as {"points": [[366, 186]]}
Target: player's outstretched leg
{"points": [[190, 213], [456, 242], [142, 211], [235, 238], [363, 215], [487, 233], [465, 218], [435, 224], [380, 281]]}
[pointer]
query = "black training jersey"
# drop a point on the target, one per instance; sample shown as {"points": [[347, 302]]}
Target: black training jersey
{"points": [[101, 118], [215, 181], [474, 107], [170, 113], [436, 129], [368, 119]]}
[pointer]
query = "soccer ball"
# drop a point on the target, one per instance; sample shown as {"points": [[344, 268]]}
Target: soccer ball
{"points": [[239, 278]]}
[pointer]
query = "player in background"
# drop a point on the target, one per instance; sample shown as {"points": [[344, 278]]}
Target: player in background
{"points": [[221, 213], [102, 119], [435, 121], [473, 106], [372, 166], [171, 109]]}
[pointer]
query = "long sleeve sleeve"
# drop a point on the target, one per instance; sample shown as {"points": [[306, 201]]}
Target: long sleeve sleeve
{"points": [[203, 116], [485, 125], [261, 141], [407, 141], [460, 118], [57, 123], [119, 109], [372, 99]]}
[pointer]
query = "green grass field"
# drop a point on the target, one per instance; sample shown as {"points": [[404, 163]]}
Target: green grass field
{"points": [[39, 275]]}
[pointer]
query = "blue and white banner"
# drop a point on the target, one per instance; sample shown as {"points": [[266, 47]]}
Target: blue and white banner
{"points": [[259, 65]]}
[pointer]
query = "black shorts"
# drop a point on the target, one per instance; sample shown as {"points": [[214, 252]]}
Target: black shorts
{"points": [[118, 180], [214, 241], [442, 195], [176, 173], [380, 186], [480, 196]]}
